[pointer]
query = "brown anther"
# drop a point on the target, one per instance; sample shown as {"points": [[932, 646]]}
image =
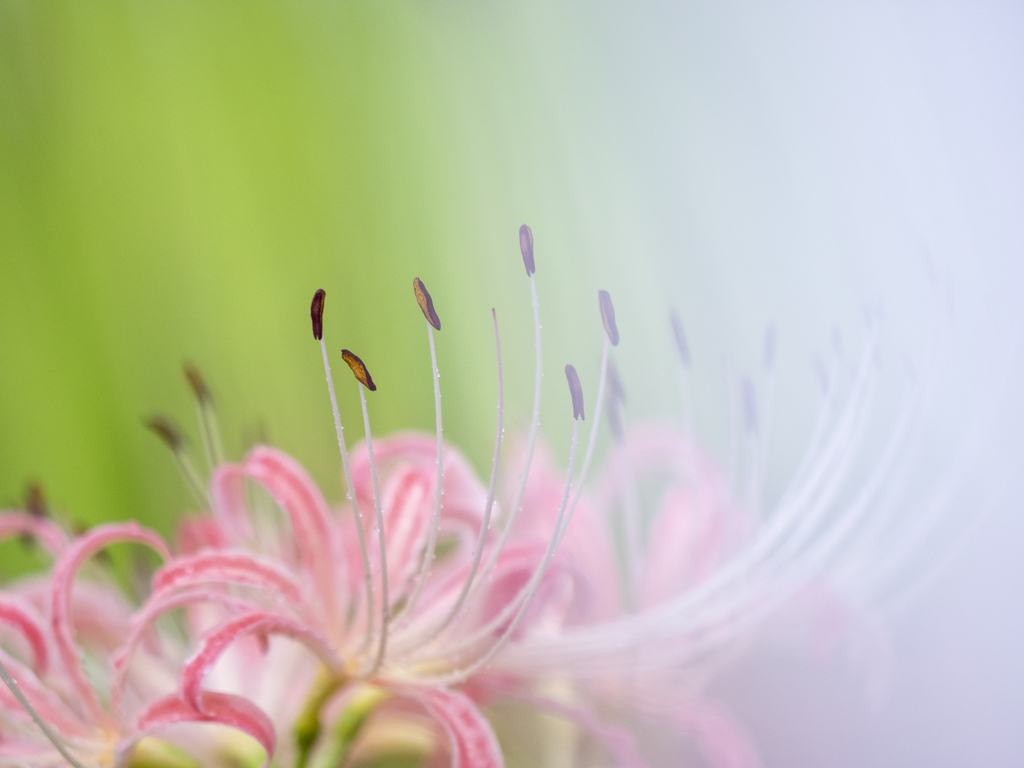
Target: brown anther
{"points": [[526, 246], [604, 299], [167, 431], [576, 391], [316, 312], [426, 303], [359, 369], [681, 346], [35, 500], [198, 384]]}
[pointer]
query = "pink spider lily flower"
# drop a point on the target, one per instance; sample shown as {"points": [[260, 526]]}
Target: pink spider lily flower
{"points": [[63, 634], [352, 633]]}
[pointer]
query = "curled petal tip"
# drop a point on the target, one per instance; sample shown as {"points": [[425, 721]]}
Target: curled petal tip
{"points": [[426, 303], [316, 312], [526, 247], [359, 369]]}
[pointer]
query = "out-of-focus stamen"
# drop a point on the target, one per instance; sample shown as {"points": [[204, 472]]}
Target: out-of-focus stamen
{"points": [[604, 300], [430, 550], [173, 438], [317, 314], [630, 496], [363, 376], [206, 414], [538, 573], [51, 735], [526, 247]]}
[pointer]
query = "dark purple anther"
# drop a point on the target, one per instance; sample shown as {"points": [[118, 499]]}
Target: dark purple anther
{"points": [[316, 311]]}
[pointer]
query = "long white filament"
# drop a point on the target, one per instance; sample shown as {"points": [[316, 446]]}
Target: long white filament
{"points": [[209, 431], [485, 524], [556, 539], [430, 550], [50, 734], [465, 673], [531, 443], [384, 607], [350, 495]]}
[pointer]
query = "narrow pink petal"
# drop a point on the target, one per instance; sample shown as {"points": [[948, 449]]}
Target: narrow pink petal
{"points": [[228, 567], [229, 503], [313, 524], [256, 623], [464, 495], [223, 708], [64, 571], [45, 701], [158, 604], [196, 533], [19, 614], [470, 737], [14, 523]]}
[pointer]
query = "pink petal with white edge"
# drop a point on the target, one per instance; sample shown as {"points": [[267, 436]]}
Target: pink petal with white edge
{"points": [[156, 606], [14, 523], [256, 623], [64, 571], [228, 567], [222, 708], [313, 525], [470, 737], [20, 615]]}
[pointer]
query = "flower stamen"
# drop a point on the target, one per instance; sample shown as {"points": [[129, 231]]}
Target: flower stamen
{"points": [[430, 550], [317, 314], [173, 438], [366, 382], [206, 415]]}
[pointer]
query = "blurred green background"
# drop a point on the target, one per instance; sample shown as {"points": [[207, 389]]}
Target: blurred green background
{"points": [[177, 178]]}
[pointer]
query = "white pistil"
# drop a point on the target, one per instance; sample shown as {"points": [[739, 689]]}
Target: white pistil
{"points": [[384, 608], [430, 550], [531, 588], [532, 442], [592, 440], [443, 623], [50, 734], [350, 495]]}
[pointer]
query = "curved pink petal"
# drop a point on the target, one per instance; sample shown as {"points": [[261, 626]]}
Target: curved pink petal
{"points": [[256, 623], [195, 534], [20, 615], [156, 606], [64, 571], [15, 523], [313, 524], [230, 567], [464, 495], [470, 737], [222, 708], [228, 502]]}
